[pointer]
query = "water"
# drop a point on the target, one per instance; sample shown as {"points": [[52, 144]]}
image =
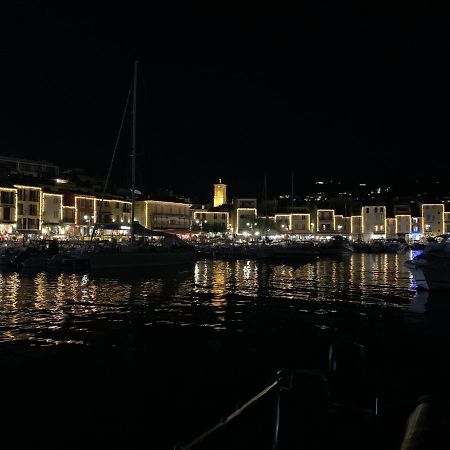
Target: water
{"points": [[182, 348], [50, 309]]}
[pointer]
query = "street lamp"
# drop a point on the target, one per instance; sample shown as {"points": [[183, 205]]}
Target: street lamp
{"points": [[201, 222]]}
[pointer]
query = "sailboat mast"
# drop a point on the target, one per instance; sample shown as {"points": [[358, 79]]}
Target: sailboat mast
{"points": [[133, 151]]}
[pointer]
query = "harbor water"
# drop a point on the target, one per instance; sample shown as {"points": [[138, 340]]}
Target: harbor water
{"points": [[117, 360]]}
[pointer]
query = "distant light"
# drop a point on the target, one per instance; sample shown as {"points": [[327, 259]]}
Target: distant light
{"points": [[86, 217], [257, 233], [61, 181], [124, 227], [248, 224], [362, 184]]}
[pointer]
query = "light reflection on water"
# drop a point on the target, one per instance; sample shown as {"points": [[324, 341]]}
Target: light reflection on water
{"points": [[55, 308]]}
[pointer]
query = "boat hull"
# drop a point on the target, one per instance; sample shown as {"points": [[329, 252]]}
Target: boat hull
{"points": [[429, 276], [139, 260]]}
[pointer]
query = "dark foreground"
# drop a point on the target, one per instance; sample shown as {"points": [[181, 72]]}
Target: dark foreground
{"points": [[125, 380]]}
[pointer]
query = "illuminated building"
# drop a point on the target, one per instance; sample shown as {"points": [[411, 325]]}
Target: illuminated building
{"points": [[373, 222], [433, 219], [217, 221], [403, 225], [52, 213], [163, 215], [29, 209], [300, 223], [447, 222], [391, 226], [244, 215], [325, 221], [220, 194], [8, 211]]}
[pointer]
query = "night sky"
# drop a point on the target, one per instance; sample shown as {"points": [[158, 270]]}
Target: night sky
{"points": [[350, 92]]}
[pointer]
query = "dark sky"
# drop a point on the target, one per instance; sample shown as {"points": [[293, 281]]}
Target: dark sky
{"points": [[326, 89]]}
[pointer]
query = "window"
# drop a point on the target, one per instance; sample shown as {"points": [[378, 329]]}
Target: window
{"points": [[6, 213], [367, 210], [117, 205], [224, 216], [376, 209], [21, 194], [55, 214], [33, 210], [20, 209], [55, 200], [427, 227], [7, 198], [34, 196]]}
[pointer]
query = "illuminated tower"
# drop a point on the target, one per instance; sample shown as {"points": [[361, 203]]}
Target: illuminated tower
{"points": [[220, 193]]}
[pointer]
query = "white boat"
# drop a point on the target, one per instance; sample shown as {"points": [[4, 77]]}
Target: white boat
{"points": [[431, 268]]}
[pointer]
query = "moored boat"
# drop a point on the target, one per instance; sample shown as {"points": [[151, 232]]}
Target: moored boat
{"points": [[431, 268], [337, 245]]}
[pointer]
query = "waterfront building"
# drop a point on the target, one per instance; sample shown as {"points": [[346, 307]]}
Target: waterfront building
{"points": [[283, 222], [220, 194], [339, 224], [85, 213], [8, 211], [356, 227], [29, 209], [403, 225], [163, 215], [433, 219], [300, 223], [213, 220], [391, 226], [325, 221], [52, 213], [20, 166], [447, 221], [114, 211], [244, 215], [373, 222]]}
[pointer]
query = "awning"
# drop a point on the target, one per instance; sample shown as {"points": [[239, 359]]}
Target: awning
{"points": [[138, 229]]}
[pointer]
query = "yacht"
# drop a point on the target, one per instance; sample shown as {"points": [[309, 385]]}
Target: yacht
{"points": [[337, 245], [431, 268], [172, 252]]}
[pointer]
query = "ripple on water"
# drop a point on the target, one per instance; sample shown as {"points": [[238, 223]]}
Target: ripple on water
{"points": [[52, 308]]}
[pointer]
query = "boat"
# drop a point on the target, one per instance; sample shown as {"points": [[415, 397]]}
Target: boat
{"points": [[342, 406], [172, 252], [431, 268], [295, 250], [337, 245]]}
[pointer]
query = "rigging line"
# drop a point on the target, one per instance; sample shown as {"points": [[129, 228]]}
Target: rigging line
{"points": [[105, 187], [229, 418]]}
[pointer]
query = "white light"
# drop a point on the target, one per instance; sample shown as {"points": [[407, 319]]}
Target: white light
{"points": [[248, 224], [86, 217], [124, 227], [257, 233]]}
